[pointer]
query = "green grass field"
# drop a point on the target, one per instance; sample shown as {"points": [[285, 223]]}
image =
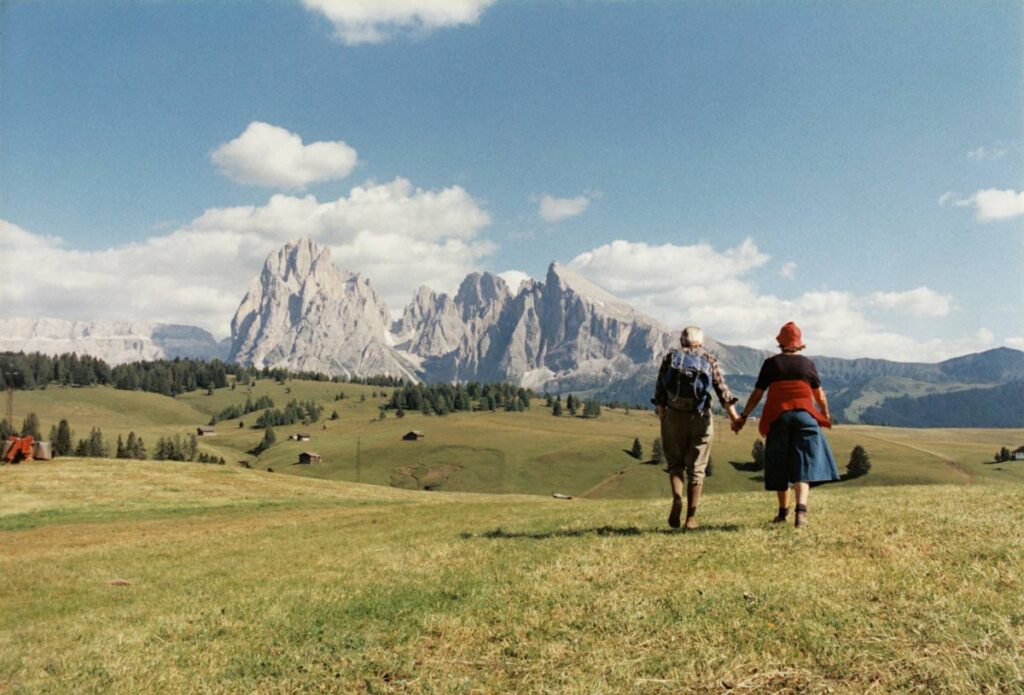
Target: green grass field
{"points": [[139, 577], [530, 452]]}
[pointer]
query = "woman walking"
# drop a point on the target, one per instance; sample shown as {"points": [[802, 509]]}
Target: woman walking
{"points": [[796, 451]]}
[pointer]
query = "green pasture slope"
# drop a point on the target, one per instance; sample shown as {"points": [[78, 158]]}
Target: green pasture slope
{"points": [[530, 452], [158, 577]]}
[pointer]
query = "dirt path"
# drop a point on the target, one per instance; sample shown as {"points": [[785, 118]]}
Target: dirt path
{"points": [[957, 468], [603, 483]]}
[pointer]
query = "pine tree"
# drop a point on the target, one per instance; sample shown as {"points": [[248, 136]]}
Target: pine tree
{"points": [[656, 452], [96, 447], [570, 404], [860, 462], [757, 452], [334, 415], [637, 451], [140, 450], [5, 429], [120, 452], [63, 445], [30, 427], [556, 409]]}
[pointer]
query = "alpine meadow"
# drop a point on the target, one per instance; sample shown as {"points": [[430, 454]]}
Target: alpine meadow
{"points": [[488, 346]]}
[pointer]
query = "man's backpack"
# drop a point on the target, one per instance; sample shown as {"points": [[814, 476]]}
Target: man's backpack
{"points": [[688, 382]]}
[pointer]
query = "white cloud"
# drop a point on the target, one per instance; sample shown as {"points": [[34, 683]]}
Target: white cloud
{"points": [[981, 153], [399, 236], [993, 204], [374, 21], [1015, 343], [553, 209], [698, 284], [919, 301], [989, 204], [268, 155], [513, 278], [788, 270]]}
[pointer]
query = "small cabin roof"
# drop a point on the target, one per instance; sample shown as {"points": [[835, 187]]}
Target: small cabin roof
{"points": [[310, 453]]}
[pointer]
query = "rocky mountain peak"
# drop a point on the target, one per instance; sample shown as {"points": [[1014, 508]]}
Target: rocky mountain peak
{"points": [[305, 314]]}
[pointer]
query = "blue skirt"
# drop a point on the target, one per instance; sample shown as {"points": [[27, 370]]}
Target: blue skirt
{"points": [[797, 452]]}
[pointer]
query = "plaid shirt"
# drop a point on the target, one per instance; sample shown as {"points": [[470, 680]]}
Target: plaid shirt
{"points": [[725, 396]]}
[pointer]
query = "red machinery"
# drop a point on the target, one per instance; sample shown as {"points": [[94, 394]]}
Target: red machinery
{"points": [[19, 449]]}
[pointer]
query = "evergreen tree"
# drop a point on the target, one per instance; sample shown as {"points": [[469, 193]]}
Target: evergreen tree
{"points": [[334, 415], [30, 427], [53, 438], [637, 451], [97, 448], [120, 452], [1003, 455], [5, 429], [83, 448], [139, 452], [757, 452], [548, 401], [193, 447], [860, 462], [62, 444], [592, 408], [656, 452], [570, 404], [556, 409], [399, 413]]}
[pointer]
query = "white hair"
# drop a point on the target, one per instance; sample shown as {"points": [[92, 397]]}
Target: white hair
{"points": [[692, 336]]}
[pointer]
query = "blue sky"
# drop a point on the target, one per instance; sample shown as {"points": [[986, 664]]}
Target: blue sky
{"points": [[730, 164]]}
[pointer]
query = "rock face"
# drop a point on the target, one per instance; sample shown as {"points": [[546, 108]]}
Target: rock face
{"points": [[115, 342], [305, 314]]}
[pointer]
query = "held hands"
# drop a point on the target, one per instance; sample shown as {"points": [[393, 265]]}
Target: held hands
{"points": [[737, 424]]}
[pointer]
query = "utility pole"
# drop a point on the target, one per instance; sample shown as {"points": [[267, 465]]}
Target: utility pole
{"points": [[359, 468], [9, 376]]}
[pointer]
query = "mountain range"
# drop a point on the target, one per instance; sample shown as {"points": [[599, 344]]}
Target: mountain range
{"points": [[561, 334]]}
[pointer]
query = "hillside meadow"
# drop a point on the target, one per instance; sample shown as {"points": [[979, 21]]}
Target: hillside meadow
{"points": [[528, 452], [139, 577]]}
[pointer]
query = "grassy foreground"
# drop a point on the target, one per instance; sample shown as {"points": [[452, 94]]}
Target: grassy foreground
{"points": [[162, 577]]}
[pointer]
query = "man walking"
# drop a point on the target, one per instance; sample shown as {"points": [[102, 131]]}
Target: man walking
{"points": [[683, 400]]}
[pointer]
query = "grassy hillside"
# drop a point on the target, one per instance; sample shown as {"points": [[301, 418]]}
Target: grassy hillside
{"points": [[157, 577], [530, 452]]}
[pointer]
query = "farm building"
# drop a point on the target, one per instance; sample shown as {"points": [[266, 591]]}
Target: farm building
{"points": [[299, 437], [1017, 454], [206, 431], [413, 435], [308, 457]]}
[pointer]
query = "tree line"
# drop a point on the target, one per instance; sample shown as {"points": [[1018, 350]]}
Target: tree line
{"points": [[441, 399], [167, 377]]}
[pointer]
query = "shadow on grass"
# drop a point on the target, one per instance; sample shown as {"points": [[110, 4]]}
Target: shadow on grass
{"points": [[595, 531], [746, 466]]}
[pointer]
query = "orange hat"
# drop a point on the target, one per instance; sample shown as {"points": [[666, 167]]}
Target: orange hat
{"points": [[790, 338]]}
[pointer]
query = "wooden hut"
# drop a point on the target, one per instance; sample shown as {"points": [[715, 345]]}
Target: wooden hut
{"points": [[413, 435], [308, 457]]}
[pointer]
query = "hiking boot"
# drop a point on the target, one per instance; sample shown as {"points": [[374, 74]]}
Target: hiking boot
{"points": [[691, 523], [801, 516], [673, 516], [781, 517]]}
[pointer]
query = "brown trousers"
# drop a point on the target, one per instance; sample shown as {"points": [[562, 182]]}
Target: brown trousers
{"points": [[686, 441]]}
